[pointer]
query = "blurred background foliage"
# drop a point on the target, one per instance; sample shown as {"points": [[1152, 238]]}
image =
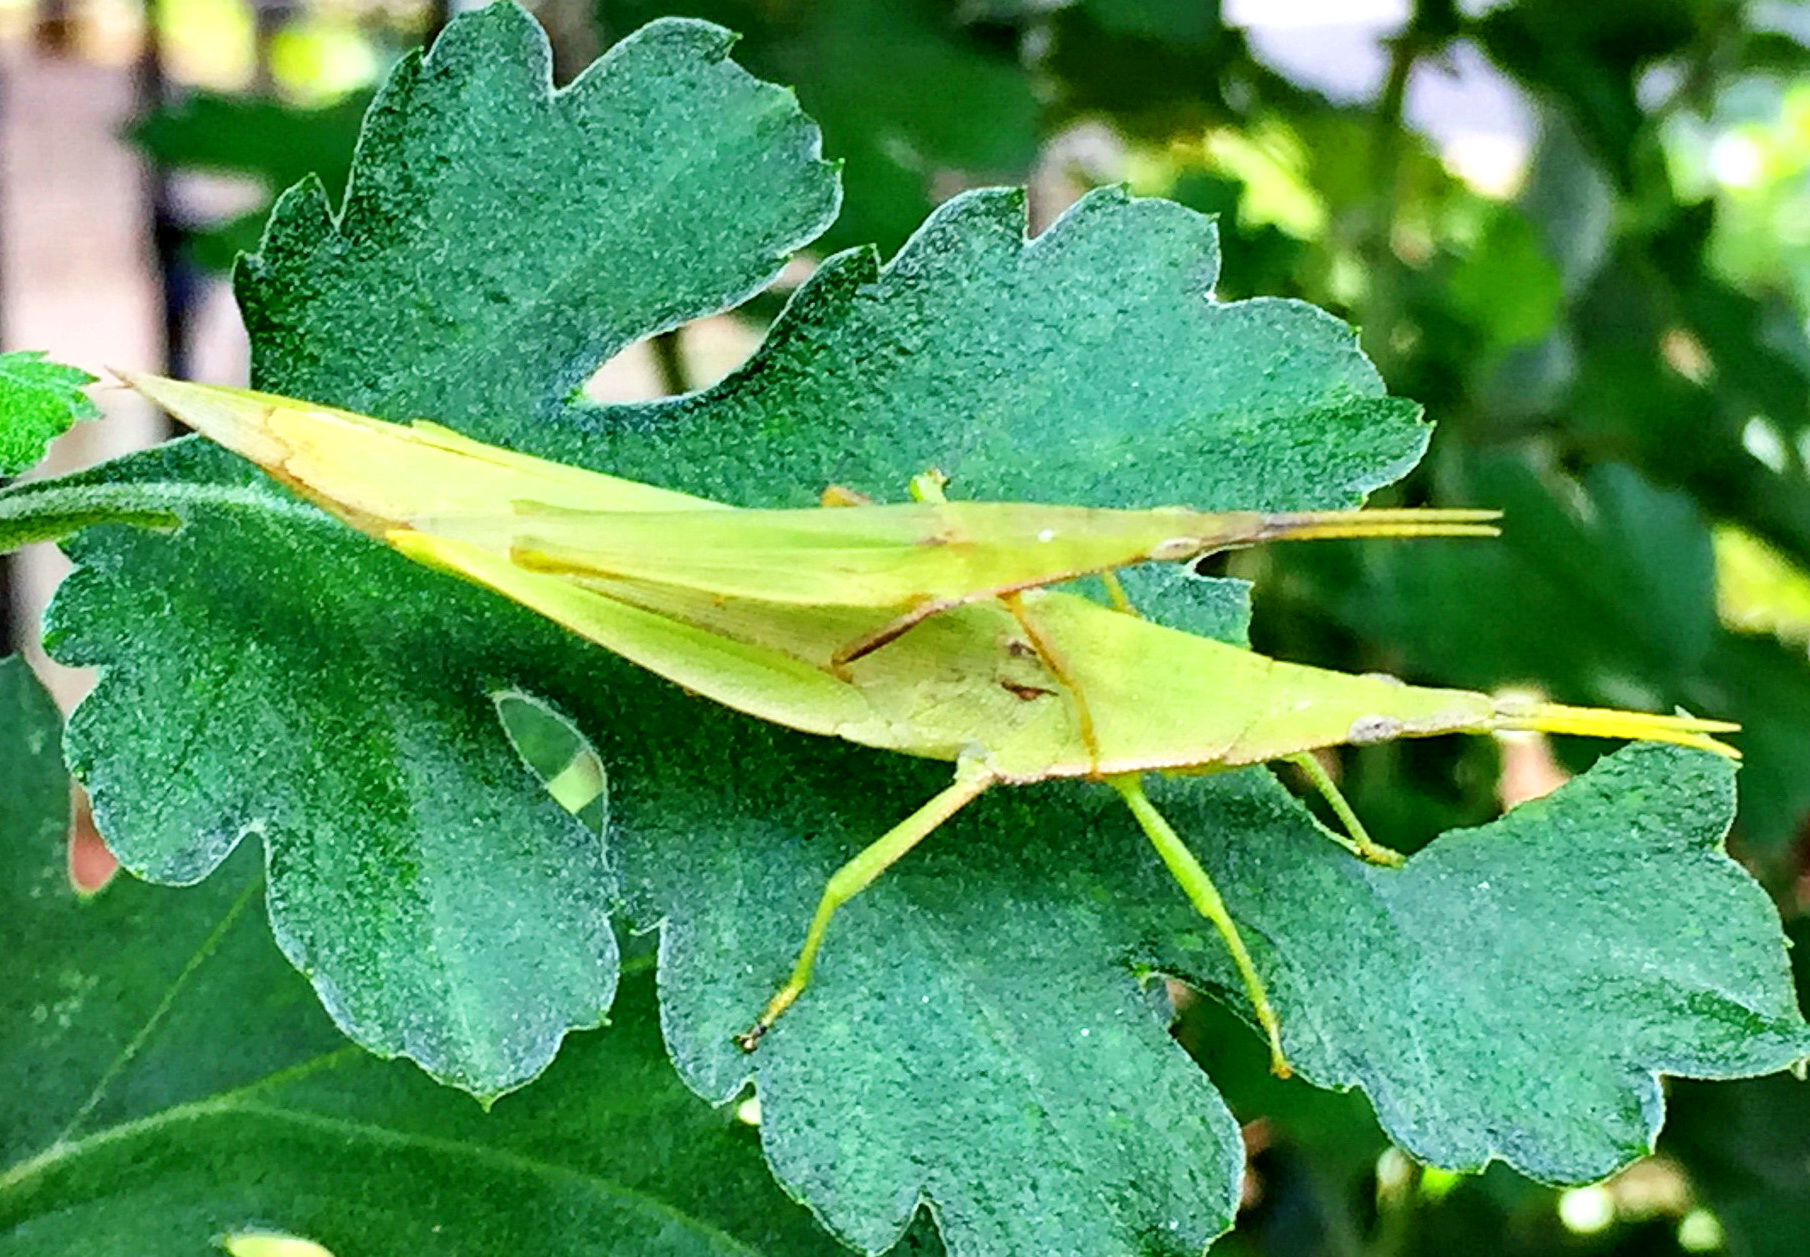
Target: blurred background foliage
{"points": [[1578, 232]]}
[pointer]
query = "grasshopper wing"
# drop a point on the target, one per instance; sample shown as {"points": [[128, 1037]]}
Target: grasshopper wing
{"points": [[549, 517], [924, 554]]}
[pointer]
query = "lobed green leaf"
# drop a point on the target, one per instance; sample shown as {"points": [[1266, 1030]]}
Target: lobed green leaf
{"points": [[182, 1085], [910, 97], [982, 1036]]}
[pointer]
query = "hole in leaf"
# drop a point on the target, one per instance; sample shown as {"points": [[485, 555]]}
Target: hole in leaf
{"points": [[91, 864], [557, 753], [690, 357], [270, 1244]]}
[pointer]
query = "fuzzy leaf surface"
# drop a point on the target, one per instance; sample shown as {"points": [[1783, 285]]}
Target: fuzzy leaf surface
{"points": [[908, 95], [445, 907], [39, 400], [1603, 928], [175, 1081]]}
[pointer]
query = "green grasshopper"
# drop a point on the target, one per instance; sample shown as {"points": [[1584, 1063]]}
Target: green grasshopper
{"points": [[783, 615]]}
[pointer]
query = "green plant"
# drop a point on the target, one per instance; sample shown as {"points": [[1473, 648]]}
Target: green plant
{"points": [[991, 1038]]}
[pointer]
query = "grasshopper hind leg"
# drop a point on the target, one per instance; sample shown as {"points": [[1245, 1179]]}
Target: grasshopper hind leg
{"points": [[971, 779], [1205, 897]]}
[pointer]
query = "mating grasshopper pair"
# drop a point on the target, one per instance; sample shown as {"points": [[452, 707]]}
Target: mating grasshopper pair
{"points": [[925, 628]]}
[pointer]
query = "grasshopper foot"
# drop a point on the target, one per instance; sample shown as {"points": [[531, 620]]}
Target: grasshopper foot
{"points": [[750, 1038], [1377, 853], [1279, 1065]]}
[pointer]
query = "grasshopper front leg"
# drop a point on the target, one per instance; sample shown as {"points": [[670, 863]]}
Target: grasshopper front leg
{"points": [[972, 778]]}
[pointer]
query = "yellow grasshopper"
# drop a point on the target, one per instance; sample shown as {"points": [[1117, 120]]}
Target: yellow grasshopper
{"points": [[783, 615]]}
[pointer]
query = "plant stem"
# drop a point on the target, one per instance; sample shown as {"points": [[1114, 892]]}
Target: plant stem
{"points": [[669, 362]]}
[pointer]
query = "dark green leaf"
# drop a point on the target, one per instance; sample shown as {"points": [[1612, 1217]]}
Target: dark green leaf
{"points": [[498, 233], [1747, 1147], [445, 906], [173, 1081], [1182, 22], [1573, 932], [1259, 258], [1103, 59], [317, 629], [1766, 686], [977, 1037], [1143, 390], [1505, 284], [1604, 592], [1602, 927], [275, 143], [51, 510], [1590, 56], [910, 100]]}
